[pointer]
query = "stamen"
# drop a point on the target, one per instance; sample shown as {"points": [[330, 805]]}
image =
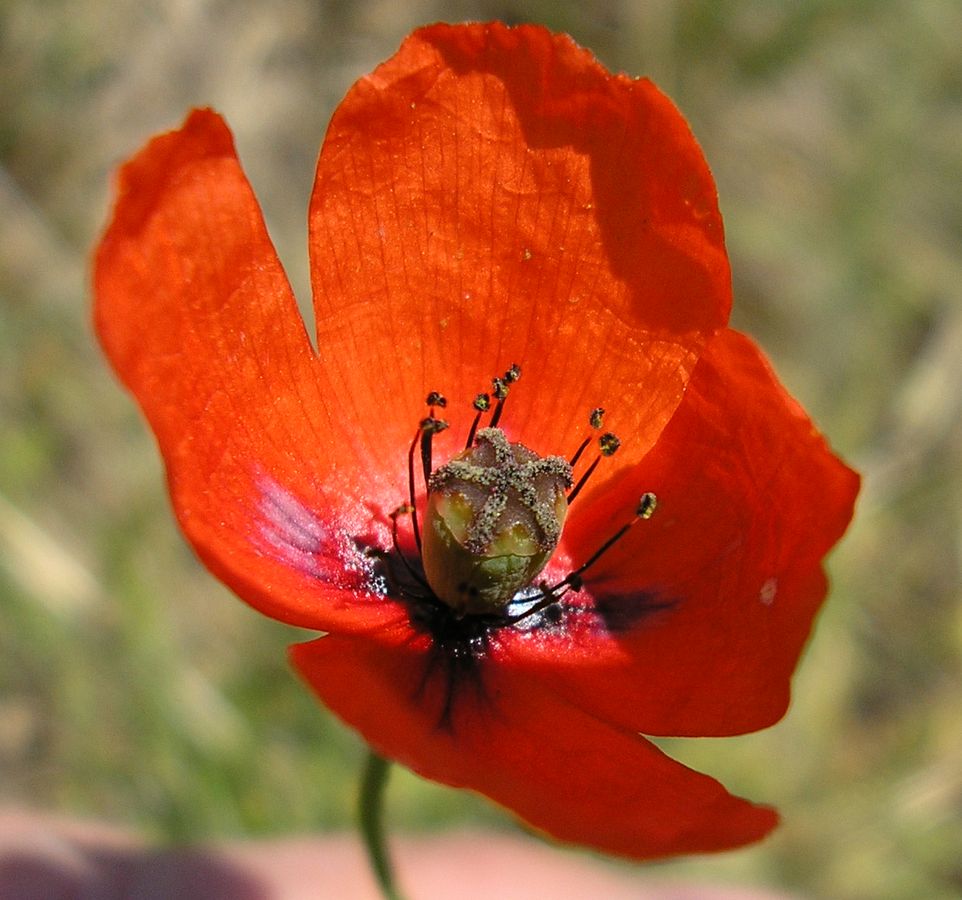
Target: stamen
{"points": [[595, 420], [482, 403], [403, 510], [608, 445], [500, 387], [583, 480], [645, 509], [411, 494], [500, 391], [429, 428]]}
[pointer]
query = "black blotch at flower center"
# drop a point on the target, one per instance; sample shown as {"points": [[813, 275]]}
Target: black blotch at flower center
{"points": [[456, 654]]}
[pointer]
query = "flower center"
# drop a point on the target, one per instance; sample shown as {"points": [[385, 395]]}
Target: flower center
{"points": [[494, 517]]}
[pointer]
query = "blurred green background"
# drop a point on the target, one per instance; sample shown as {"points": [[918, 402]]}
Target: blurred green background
{"points": [[134, 688]]}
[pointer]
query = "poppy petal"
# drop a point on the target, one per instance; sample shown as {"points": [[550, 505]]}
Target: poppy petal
{"points": [[700, 613], [560, 769], [492, 195], [196, 315]]}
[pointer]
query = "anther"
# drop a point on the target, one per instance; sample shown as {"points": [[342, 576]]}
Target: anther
{"points": [[436, 399], [609, 444], [646, 505], [430, 425]]}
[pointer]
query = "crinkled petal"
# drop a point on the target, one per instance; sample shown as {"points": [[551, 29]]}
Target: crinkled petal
{"points": [[196, 315], [704, 608], [560, 769], [492, 195]]}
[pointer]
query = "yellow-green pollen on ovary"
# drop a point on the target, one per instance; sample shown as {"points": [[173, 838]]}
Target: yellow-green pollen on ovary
{"points": [[494, 517]]}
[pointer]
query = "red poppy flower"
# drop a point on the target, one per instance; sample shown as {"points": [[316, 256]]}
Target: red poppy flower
{"points": [[489, 196]]}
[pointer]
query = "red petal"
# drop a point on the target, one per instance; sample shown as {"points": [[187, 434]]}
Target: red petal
{"points": [[560, 769], [750, 498], [492, 195], [198, 319]]}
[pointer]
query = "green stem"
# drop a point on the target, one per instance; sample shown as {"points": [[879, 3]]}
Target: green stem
{"points": [[371, 823]]}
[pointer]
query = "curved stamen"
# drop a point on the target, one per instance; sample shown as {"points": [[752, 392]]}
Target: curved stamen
{"points": [[403, 509], [429, 428], [645, 510], [595, 420], [573, 580], [608, 445], [411, 494]]}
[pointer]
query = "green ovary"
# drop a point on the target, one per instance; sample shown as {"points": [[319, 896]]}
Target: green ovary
{"points": [[493, 519], [475, 582], [479, 582]]}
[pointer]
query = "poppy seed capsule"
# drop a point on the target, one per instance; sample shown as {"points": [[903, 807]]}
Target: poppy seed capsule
{"points": [[494, 516]]}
